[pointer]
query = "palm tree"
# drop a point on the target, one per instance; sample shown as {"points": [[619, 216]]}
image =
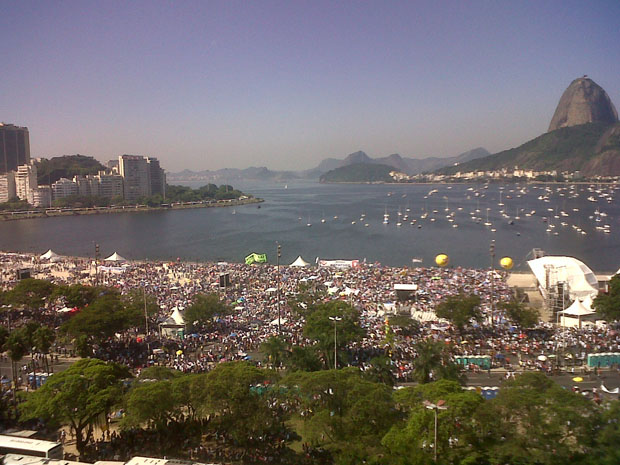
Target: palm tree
{"points": [[433, 357], [429, 358], [275, 350]]}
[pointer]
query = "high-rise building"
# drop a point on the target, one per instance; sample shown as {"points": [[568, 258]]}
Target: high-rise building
{"points": [[25, 181], [14, 147], [7, 186], [136, 176], [158, 177]]}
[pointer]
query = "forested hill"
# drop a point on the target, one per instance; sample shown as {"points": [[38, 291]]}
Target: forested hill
{"points": [[51, 170], [359, 172], [593, 149]]}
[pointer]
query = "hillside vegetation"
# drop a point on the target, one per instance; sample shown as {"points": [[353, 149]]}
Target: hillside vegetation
{"points": [[593, 149], [67, 166], [359, 172]]}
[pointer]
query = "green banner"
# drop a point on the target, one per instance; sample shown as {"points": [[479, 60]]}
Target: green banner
{"points": [[256, 258]]}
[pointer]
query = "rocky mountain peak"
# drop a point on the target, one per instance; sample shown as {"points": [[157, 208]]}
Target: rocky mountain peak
{"points": [[584, 101]]}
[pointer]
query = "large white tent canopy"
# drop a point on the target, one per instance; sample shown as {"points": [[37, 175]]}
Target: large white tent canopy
{"points": [[577, 309], [115, 257], [574, 315], [300, 262], [51, 256], [578, 278]]}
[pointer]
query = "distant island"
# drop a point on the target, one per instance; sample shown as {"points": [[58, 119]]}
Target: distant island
{"points": [[359, 171]]}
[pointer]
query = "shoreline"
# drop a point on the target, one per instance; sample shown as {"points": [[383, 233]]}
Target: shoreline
{"points": [[59, 212]]}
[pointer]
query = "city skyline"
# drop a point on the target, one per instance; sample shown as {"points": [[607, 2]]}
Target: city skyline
{"points": [[285, 85]]}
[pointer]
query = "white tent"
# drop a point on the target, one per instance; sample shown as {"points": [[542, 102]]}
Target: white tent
{"points": [[177, 316], [50, 255], [115, 258], [578, 278], [588, 303], [299, 262], [174, 324], [573, 315], [577, 309]]}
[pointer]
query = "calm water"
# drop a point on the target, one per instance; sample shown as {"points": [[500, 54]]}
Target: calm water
{"points": [[227, 234]]}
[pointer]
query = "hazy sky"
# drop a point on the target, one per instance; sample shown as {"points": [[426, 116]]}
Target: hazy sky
{"points": [[209, 84]]}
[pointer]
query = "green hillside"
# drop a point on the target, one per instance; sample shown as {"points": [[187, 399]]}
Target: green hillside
{"points": [[591, 148], [359, 172], [67, 166]]}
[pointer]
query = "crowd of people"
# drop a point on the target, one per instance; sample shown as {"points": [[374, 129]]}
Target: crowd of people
{"points": [[260, 298]]}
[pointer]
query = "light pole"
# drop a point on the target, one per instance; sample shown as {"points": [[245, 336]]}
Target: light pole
{"points": [[440, 405], [492, 252], [335, 319], [146, 323], [279, 254], [96, 264]]}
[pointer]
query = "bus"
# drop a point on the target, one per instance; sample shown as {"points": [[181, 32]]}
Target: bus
{"points": [[31, 447]]}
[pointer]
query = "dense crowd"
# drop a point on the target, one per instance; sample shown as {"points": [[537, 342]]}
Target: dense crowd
{"points": [[253, 294]]}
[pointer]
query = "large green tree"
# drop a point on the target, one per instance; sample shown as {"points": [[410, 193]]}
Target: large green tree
{"points": [[274, 349], [342, 411], [522, 315], [460, 309], [320, 328], [199, 315], [608, 305], [235, 396], [533, 420], [31, 293], [433, 362], [79, 397], [107, 315], [412, 440]]}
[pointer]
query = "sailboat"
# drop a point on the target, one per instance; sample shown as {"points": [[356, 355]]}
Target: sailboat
{"points": [[488, 223]]}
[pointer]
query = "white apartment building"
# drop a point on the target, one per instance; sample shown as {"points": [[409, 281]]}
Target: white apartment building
{"points": [[109, 185], [64, 188], [25, 182], [7, 186], [42, 196]]}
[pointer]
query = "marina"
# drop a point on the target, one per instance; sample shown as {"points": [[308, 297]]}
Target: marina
{"points": [[390, 224]]}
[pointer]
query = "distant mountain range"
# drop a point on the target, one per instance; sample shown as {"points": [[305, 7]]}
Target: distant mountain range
{"points": [[405, 165]]}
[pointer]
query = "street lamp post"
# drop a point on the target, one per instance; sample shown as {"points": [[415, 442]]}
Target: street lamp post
{"points": [[146, 323], [440, 405], [96, 264], [335, 319], [492, 252], [279, 254]]}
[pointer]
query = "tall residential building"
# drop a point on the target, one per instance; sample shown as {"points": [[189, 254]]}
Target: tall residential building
{"points": [[110, 185], [158, 177], [25, 181], [14, 147], [64, 188], [136, 176], [7, 186]]}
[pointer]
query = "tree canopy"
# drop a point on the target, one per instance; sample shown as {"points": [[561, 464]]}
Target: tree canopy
{"points": [[78, 397]]}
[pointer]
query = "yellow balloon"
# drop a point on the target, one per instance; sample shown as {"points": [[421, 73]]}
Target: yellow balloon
{"points": [[506, 263], [442, 259]]}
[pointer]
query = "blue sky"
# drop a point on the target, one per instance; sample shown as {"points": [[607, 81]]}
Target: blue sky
{"points": [[209, 84]]}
